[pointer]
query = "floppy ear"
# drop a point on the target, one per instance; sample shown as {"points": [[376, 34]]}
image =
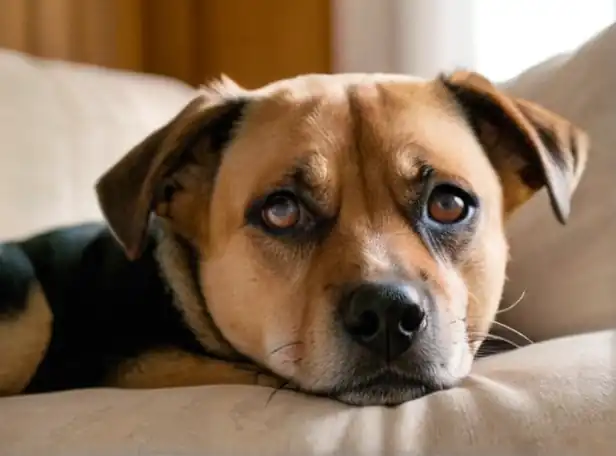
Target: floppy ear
{"points": [[528, 145], [143, 180]]}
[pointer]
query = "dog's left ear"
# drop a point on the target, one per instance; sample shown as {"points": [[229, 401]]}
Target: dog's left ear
{"points": [[144, 180], [528, 145]]}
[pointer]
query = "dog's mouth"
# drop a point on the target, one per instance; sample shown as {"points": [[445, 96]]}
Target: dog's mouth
{"points": [[387, 388]]}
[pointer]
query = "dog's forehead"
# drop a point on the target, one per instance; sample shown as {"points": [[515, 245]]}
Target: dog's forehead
{"points": [[395, 111], [326, 121], [329, 85]]}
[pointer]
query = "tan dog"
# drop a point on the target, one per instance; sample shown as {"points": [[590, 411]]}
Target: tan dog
{"points": [[344, 233]]}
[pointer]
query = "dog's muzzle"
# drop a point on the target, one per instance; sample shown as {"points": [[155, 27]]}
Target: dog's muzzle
{"points": [[395, 347]]}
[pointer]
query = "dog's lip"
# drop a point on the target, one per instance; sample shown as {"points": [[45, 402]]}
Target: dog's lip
{"points": [[383, 386], [388, 393], [389, 379]]}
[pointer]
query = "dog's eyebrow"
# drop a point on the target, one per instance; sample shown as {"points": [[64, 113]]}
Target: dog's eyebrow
{"points": [[303, 176], [409, 166], [310, 178]]}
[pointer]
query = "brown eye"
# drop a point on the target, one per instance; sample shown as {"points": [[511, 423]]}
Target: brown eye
{"points": [[281, 212], [448, 205]]}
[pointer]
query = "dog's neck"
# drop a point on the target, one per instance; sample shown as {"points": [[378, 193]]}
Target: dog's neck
{"points": [[179, 264]]}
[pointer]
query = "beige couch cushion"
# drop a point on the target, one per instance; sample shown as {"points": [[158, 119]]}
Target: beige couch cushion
{"points": [[61, 125], [568, 274], [534, 401]]}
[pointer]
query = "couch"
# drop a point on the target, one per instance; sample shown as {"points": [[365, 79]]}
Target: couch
{"points": [[61, 124]]}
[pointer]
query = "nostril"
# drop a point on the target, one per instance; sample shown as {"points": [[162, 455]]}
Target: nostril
{"points": [[367, 325], [412, 320]]}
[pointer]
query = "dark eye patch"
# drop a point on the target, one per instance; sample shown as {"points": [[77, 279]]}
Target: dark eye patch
{"points": [[312, 223], [445, 240], [312, 200]]}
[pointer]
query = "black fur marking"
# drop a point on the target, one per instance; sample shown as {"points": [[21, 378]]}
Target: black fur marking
{"points": [[106, 308], [476, 106], [222, 129], [194, 268], [16, 278], [442, 241], [219, 132], [551, 145], [575, 154]]}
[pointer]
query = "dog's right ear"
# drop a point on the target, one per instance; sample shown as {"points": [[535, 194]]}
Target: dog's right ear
{"points": [[529, 146], [136, 185]]}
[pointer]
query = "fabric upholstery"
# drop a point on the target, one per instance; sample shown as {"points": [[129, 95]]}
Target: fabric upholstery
{"points": [[552, 399], [567, 274], [61, 126]]}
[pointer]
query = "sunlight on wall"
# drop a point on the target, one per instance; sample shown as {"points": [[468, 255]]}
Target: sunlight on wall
{"points": [[510, 36]]}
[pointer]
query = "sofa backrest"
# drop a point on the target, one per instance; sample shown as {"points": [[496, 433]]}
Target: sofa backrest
{"points": [[61, 126]]}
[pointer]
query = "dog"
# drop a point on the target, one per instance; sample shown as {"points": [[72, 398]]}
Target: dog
{"points": [[341, 234]]}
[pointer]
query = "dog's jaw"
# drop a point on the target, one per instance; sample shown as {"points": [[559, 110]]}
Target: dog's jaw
{"points": [[175, 265]]}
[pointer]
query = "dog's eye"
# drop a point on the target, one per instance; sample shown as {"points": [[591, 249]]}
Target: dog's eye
{"points": [[281, 211], [448, 204]]}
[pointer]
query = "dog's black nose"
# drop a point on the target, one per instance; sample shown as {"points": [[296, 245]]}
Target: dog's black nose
{"points": [[384, 317]]}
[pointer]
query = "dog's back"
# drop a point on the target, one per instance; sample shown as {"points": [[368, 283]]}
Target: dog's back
{"points": [[72, 308]]}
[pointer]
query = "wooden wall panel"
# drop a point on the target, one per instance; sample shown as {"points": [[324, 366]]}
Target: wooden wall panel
{"points": [[50, 28], [257, 41], [14, 25], [129, 34], [253, 41], [93, 24], [171, 39]]}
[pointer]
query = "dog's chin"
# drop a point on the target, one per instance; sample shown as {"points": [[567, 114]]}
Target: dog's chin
{"points": [[383, 396], [384, 390]]}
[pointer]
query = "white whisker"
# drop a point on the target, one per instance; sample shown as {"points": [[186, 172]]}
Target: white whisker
{"points": [[508, 308], [514, 331], [494, 337]]}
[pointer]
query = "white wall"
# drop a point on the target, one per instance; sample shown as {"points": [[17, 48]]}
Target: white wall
{"points": [[363, 36], [499, 38], [511, 35], [392, 35]]}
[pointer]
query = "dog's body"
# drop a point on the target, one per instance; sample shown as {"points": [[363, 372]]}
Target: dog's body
{"points": [[78, 314], [340, 233], [106, 309]]}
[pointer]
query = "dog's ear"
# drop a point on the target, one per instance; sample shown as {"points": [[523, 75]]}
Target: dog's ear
{"points": [[528, 145], [143, 181]]}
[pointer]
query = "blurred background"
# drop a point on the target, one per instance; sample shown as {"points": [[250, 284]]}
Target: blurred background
{"points": [[256, 41]]}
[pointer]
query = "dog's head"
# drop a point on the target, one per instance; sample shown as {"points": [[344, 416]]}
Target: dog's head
{"points": [[350, 228]]}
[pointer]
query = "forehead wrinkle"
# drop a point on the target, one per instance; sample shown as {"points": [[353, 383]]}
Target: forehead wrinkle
{"points": [[318, 122], [356, 95], [407, 165], [313, 175], [314, 170], [373, 116], [316, 131], [383, 119], [420, 128], [324, 133]]}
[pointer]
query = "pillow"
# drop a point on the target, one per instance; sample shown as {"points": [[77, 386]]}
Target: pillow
{"points": [[566, 275], [61, 125], [554, 398]]}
